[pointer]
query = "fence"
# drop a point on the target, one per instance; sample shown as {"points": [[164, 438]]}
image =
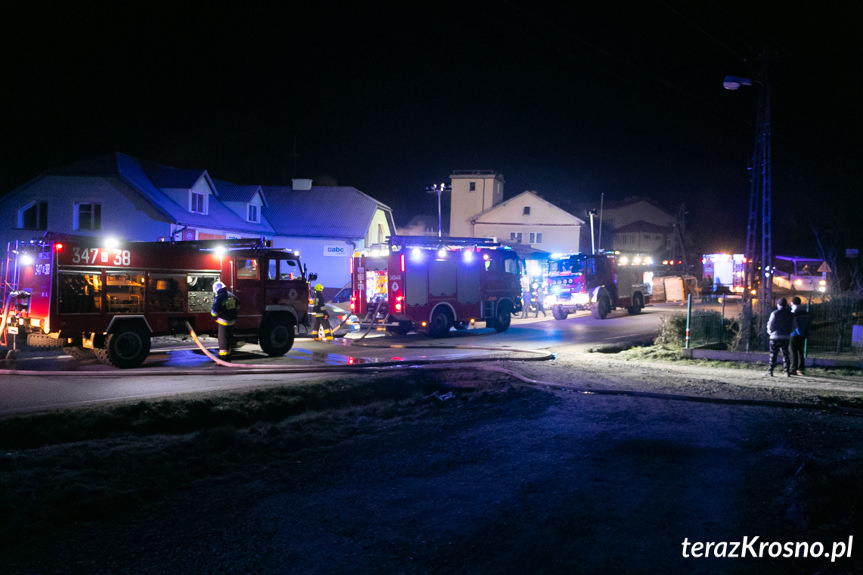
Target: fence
{"points": [[837, 328]]}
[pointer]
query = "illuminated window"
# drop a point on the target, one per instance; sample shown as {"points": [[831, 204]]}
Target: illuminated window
{"points": [[87, 217], [33, 216], [197, 202]]}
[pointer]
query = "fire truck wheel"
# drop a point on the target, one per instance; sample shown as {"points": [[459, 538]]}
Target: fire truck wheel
{"points": [[600, 308], [637, 305], [277, 336], [441, 321], [558, 312], [125, 348], [503, 317]]}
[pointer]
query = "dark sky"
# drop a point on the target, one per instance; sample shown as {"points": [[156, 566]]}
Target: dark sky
{"points": [[571, 99]]}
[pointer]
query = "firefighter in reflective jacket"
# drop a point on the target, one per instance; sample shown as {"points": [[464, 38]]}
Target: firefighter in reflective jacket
{"points": [[322, 317], [224, 310]]}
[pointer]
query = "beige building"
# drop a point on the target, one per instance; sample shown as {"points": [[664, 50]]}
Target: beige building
{"points": [[473, 192]]}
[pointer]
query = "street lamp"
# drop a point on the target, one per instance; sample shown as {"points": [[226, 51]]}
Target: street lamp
{"points": [[439, 189], [760, 187]]}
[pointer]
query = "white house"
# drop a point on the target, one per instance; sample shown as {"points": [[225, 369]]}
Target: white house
{"points": [[478, 210], [132, 199], [530, 220]]}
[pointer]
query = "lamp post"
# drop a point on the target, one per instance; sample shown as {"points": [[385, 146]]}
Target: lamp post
{"points": [[760, 188], [439, 189]]}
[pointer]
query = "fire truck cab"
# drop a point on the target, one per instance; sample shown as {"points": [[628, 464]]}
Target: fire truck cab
{"points": [[597, 282], [431, 284], [91, 299]]}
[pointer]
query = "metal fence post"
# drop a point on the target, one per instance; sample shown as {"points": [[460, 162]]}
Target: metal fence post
{"points": [[688, 316]]}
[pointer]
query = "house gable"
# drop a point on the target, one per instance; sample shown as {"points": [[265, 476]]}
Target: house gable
{"points": [[529, 219]]}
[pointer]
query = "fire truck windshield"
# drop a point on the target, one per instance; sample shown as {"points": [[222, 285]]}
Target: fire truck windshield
{"points": [[566, 266]]}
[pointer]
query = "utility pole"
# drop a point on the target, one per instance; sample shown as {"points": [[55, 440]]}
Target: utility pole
{"points": [[760, 188]]}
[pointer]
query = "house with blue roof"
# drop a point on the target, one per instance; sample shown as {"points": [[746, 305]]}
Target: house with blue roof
{"points": [[128, 198]]}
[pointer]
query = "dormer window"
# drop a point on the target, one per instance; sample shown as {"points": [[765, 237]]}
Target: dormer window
{"points": [[253, 214], [197, 202]]}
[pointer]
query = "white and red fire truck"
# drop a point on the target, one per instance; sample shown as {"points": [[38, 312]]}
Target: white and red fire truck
{"points": [[431, 284], [598, 282], [91, 299]]}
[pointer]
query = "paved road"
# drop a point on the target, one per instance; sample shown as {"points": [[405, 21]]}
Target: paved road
{"points": [[45, 380]]}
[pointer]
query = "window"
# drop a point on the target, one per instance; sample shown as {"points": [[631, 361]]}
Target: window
{"points": [[472, 187], [536, 237], [253, 214], [526, 211], [197, 203], [87, 217], [34, 216], [515, 237], [247, 268]]}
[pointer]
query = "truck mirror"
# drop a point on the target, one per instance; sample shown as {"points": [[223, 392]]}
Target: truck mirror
{"points": [[313, 277]]}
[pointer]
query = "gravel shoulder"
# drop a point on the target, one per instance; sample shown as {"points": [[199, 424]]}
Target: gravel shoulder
{"points": [[588, 464]]}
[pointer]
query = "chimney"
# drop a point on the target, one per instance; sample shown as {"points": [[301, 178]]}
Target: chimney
{"points": [[301, 184]]}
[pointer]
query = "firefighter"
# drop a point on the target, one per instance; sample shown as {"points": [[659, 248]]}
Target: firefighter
{"points": [[322, 317], [224, 310]]}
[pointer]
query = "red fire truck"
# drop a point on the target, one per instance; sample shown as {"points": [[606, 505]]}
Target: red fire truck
{"points": [[431, 284], [598, 282], [88, 298]]}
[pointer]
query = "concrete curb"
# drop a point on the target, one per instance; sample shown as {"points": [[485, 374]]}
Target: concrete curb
{"points": [[763, 357]]}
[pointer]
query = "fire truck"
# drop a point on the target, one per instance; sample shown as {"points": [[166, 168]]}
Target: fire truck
{"points": [[109, 301], [431, 284], [598, 282]]}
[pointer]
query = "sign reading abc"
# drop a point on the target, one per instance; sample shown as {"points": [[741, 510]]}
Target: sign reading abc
{"points": [[335, 250]]}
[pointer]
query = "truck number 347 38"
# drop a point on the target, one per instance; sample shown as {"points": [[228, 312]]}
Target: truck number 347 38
{"points": [[101, 256]]}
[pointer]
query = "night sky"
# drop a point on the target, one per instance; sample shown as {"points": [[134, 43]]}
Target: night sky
{"points": [[571, 99]]}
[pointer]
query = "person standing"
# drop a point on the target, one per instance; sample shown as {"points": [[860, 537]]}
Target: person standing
{"points": [[706, 288], [225, 308], [799, 335], [779, 328], [322, 317]]}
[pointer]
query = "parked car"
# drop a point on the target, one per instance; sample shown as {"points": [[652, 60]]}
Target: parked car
{"points": [[341, 319]]}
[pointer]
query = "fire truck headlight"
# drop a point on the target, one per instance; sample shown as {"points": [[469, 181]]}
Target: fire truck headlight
{"points": [[26, 260], [35, 321], [823, 283], [416, 254], [555, 289]]}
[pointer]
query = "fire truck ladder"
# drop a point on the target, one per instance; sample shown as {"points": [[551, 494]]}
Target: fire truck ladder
{"points": [[9, 271], [437, 242]]}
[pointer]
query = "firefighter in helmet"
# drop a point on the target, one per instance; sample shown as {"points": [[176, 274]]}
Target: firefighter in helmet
{"points": [[225, 308], [322, 317]]}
